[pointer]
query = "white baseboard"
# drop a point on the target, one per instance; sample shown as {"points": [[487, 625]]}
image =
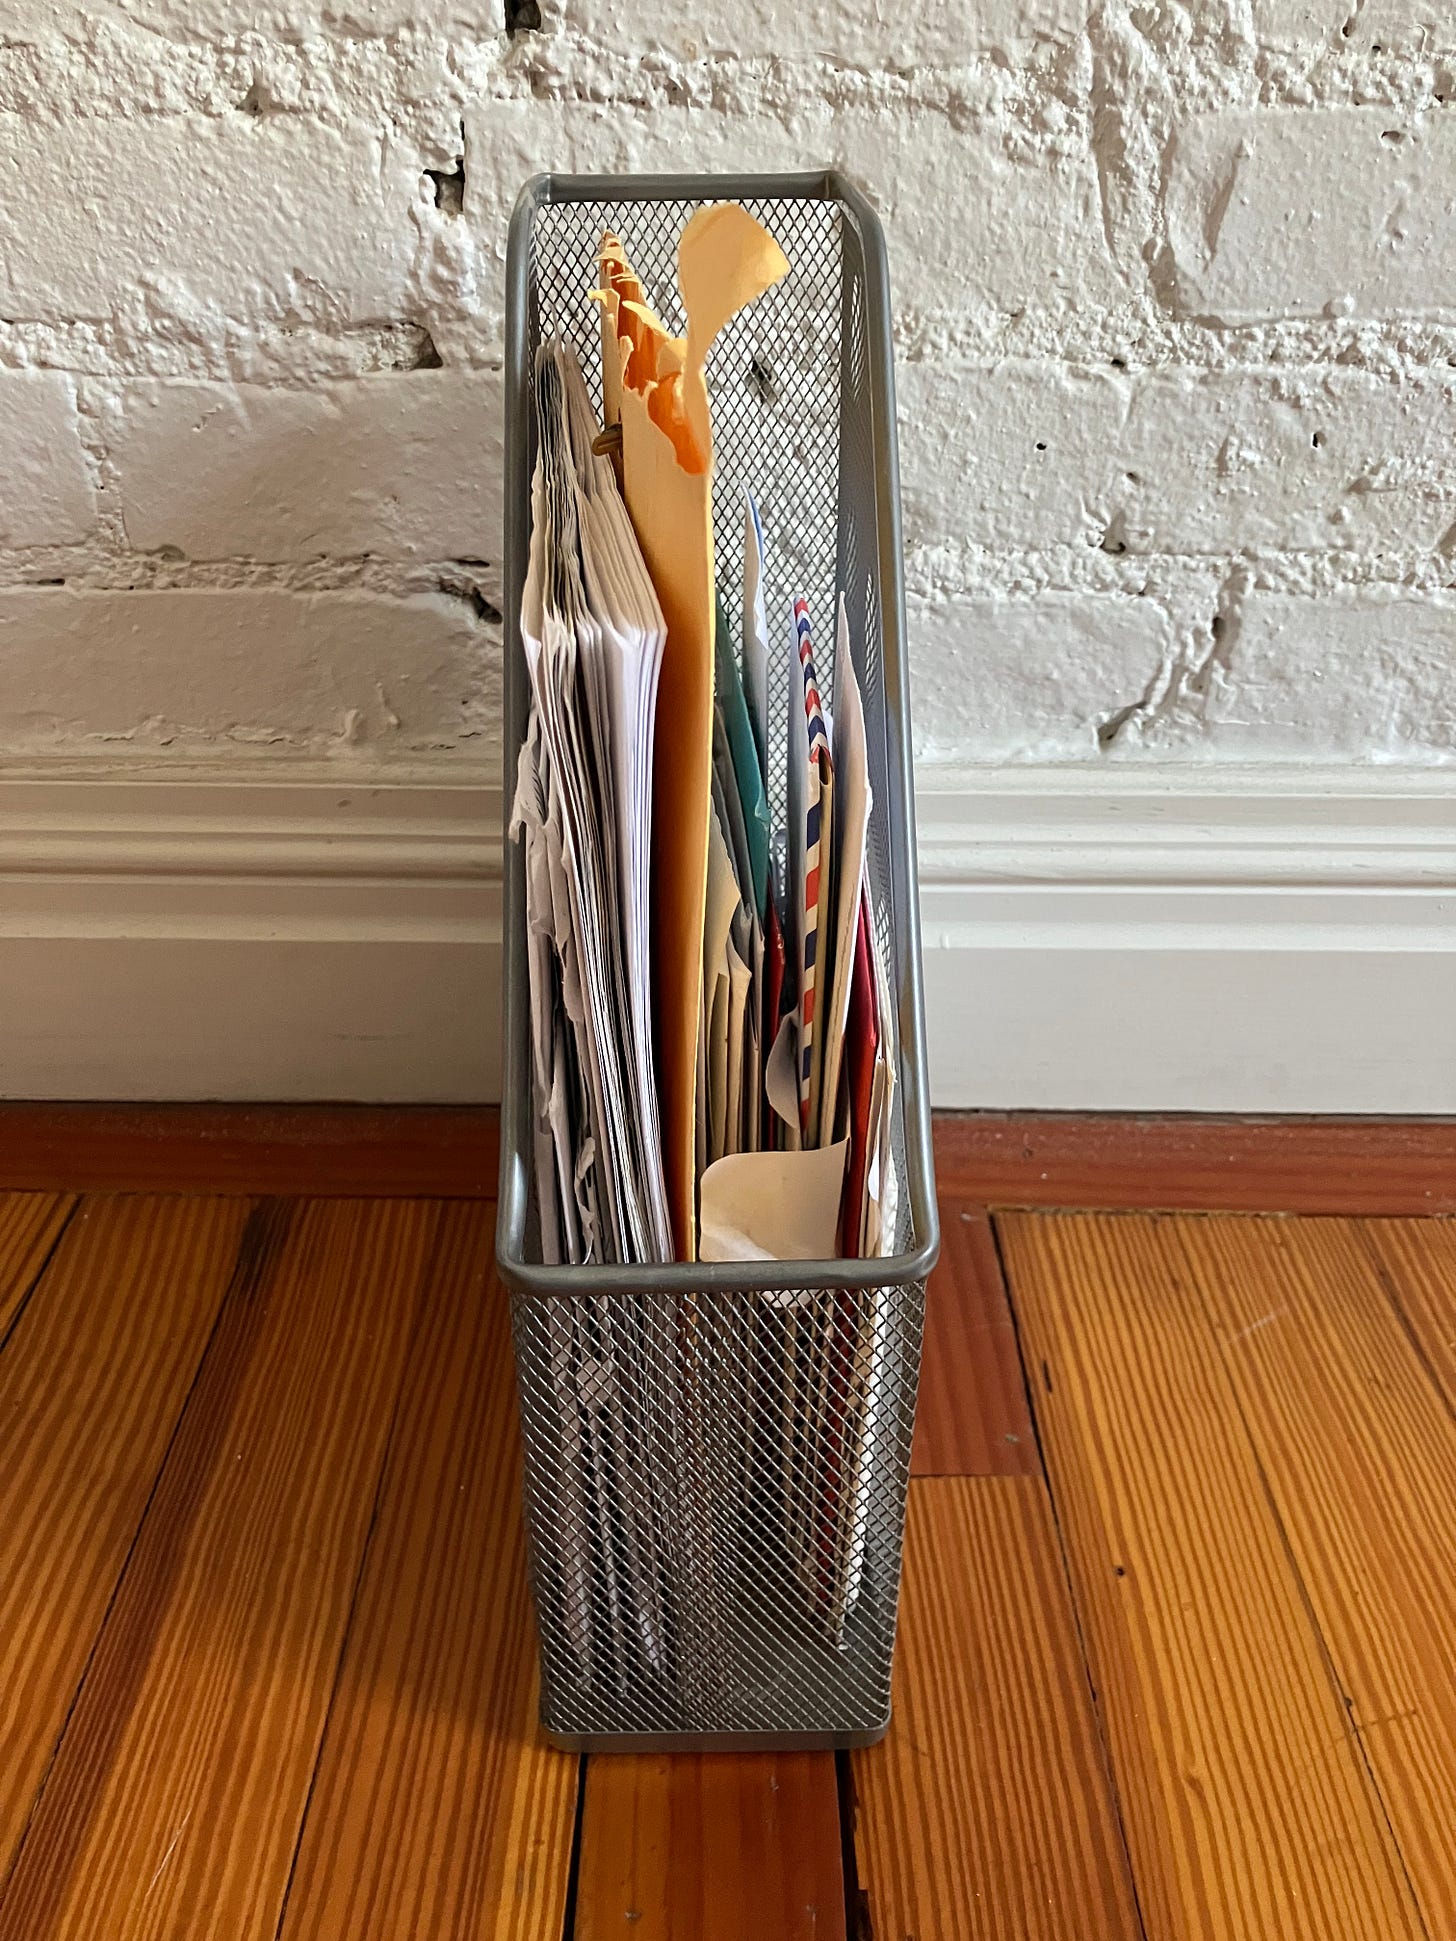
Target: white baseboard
{"points": [[1190, 941], [248, 931], [1114, 938]]}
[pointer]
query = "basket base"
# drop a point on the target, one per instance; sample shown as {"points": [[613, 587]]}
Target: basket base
{"points": [[713, 1741]]}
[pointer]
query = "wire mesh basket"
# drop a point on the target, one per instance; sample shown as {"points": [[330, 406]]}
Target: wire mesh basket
{"points": [[717, 1456]]}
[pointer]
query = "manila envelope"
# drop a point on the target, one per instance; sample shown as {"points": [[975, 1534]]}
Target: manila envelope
{"points": [[653, 385]]}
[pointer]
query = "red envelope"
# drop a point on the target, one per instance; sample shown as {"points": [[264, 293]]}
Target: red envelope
{"points": [[861, 1044]]}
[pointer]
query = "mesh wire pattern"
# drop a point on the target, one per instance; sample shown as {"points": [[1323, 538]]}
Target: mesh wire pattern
{"points": [[716, 1496], [715, 1479]]}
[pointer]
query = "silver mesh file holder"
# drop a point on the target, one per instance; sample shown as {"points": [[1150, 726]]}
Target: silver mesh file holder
{"points": [[716, 1457]]}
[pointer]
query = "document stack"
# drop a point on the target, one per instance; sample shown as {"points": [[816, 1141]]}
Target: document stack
{"points": [[713, 1059]]}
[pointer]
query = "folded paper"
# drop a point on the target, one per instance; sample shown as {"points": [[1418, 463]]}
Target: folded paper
{"points": [[774, 1205]]}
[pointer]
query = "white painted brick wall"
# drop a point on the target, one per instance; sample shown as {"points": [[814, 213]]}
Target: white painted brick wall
{"points": [[289, 20], [980, 232], [1176, 342]]}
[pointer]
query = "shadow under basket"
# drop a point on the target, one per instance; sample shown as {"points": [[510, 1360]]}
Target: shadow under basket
{"points": [[717, 1455]]}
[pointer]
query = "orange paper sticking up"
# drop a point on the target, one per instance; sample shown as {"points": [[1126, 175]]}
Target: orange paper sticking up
{"points": [[653, 385]]}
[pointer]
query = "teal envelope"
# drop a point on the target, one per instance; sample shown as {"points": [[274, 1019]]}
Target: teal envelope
{"points": [[733, 702]]}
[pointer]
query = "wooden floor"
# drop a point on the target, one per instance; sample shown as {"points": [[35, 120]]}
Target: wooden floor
{"points": [[1178, 1638]]}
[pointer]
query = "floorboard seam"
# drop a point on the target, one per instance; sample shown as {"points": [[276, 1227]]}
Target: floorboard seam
{"points": [[242, 1269], [573, 1865], [1391, 1289], [1104, 1743], [40, 1273], [856, 1896]]}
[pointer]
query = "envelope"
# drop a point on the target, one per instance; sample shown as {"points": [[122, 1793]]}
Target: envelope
{"points": [[851, 827], [861, 1063], [755, 628], [812, 835], [747, 762], [718, 955]]}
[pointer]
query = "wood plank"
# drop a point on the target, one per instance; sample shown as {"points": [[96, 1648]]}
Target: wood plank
{"points": [[92, 1381], [1292, 1165], [176, 1797], [987, 1814], [972, 1418], [716, 1847], [437, 1808], [1417, 1261], [1246, 1802], [29, 1224], [1358, 1449], [317, 1151]]}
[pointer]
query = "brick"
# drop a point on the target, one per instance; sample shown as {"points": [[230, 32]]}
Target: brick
{"points": [[861, 32], [291, 20], [1299, 23], [1306, 460], [973, 229], [1302, 213], [213, 219], [400, 467], [193, 668], [1028, 679], [1022, 454], [969, 230], [1387, 26], [1400, 27], [1315, 460], [1357, 676], [46, 494]]}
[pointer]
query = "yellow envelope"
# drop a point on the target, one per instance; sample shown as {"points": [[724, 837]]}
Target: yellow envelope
{"points": [[653, 385]]}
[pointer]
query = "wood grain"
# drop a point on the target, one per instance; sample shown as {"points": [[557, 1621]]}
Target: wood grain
{"points": [[1417, 1261], [1077, 1159], [987, 1815], [176, 1796], [29, 1224], [389, 1151], [92, 1381], [437, 1809], [972, 1418], [1248, 1809], [711, 1847], [1359, 1454]]}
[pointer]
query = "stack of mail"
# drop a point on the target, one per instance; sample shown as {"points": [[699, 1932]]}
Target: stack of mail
{"points": [[593, 636]]}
